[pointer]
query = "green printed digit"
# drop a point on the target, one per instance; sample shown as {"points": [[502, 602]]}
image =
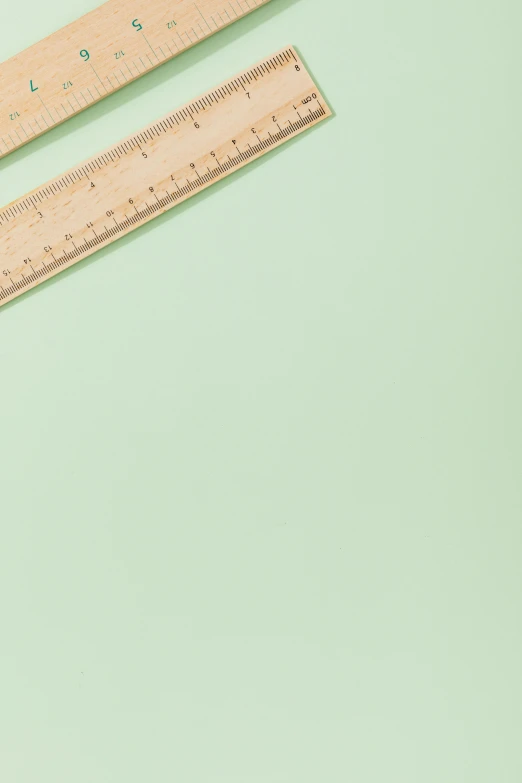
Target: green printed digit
{"points": [[85, 54]]}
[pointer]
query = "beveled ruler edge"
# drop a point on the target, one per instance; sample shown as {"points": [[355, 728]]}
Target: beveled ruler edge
{"points": [[10, 138], [110, 156]]}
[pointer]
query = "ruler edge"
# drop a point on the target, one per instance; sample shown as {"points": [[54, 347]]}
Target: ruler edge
{"points": [[60, 30], [329, 113]]}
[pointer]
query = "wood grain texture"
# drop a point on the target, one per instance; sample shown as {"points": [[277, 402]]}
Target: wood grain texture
{"points": [[106, 197], [98, 54]]}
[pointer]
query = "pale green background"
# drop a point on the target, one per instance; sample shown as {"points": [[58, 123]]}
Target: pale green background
{"points": [[265, 525]]}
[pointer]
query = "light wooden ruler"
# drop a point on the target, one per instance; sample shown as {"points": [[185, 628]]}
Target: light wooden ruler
{"points": [[90, 206], [96, 55]]}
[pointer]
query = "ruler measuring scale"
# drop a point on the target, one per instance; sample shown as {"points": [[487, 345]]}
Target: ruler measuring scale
{"points": [[98, 54], [109, 195]]}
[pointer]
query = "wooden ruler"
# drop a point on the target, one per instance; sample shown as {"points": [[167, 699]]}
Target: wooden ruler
{"points": [[106, 197], [96, 55]]}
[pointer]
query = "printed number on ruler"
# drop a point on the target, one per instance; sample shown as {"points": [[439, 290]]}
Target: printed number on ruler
{"points": [[150, 172], [96, 55]]}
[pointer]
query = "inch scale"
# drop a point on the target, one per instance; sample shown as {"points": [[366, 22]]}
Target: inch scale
{"points": [[148, 173], [98, 54]]}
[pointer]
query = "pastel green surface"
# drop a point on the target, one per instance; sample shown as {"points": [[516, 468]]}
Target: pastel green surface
{"points": [[264, 526]]}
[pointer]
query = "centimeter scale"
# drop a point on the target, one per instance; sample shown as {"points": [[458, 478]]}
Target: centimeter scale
{"points": [[106, 197], [96, 55]]}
